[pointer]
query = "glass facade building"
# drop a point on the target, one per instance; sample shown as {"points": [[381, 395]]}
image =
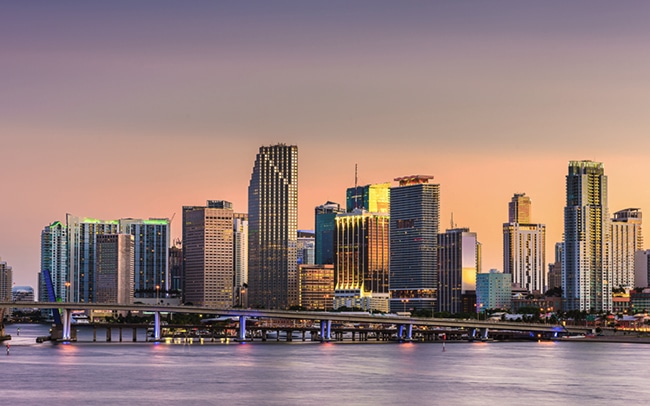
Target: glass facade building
{"points": [[414, 221], [324, 234], [273, 228], [372, 198], [362, 257], [54, 258], [627, 239], [459, 259]]}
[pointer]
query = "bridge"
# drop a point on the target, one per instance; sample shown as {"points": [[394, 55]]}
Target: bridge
{"points": [[404, 324]]}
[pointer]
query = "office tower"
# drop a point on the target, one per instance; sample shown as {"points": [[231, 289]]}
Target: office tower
{"points": [[151, 244], [362, 256], [524, 246], [372, 198], [114, 268], [305, 247], [626, 239], [6, 281], [459, 260], [586, 272], [151, 253], [642, 269], [555, 269], [54, 258], [414, 218], [493, 291], [273, 228], [316, 287], [208, 254], [240, 245], [325, 224], [176, 276]]}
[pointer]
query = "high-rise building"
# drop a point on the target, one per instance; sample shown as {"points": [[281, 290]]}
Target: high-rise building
{"points": [[317, 287], [305, 247], [372, 198], [519, 209], [362, 257], [208, 254], [586, 271], [176, 276], [493, 291], [240, 245], [642, 269], [6, 281], [325, 224], [151, 253], [414, 218], [459, 260], [54, 258], [82, 234], [626, 240], [151, 263], [273, 228], [114, 268], [524, 246], [555, 269]]}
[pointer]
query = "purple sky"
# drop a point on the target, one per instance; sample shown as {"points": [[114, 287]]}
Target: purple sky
{"points": [[134, 109]]}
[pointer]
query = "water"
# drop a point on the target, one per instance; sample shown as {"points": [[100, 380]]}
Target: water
{"points": [[309, 373]]}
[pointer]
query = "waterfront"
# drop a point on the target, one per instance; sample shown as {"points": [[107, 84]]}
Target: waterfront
{"points": [[312, 373]]}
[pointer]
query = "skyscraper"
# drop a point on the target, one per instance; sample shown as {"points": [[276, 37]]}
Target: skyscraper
{"points": [[208, 254], [114, 269], [524, 246], [373, 198], [586, 271], [273, 228], [362, 260], [240, 242], [459, 261], [54, 258], [151, 253], [414, 218], [626, 240], [324, 234], [151, 264], [82, 234]]}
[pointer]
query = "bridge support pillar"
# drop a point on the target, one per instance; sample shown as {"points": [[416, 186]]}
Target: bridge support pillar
{"points": [[242, 328], [471, 333], [156, 326], [484, 333], [67, 320], [325, 330], [409, 332], [400, 332]]}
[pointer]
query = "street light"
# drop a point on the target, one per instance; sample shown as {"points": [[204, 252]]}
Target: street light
{"points": [[67, 292], [157, 290], [404, 302]]}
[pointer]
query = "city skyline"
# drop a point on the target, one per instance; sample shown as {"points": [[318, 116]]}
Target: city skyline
{"points": [[133, 110]]}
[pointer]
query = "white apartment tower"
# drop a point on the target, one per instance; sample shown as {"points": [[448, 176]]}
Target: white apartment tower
{"points": [[524, 254], [626, 240]]}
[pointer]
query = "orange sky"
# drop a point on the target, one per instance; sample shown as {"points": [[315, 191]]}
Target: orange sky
{"points": [[121, 110]]}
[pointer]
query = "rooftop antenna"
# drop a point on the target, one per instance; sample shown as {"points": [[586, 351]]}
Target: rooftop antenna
{"points": [[356, 191], [452, 220]]}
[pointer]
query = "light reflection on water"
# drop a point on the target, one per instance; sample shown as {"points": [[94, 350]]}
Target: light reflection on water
{"points": [[532, 373]]}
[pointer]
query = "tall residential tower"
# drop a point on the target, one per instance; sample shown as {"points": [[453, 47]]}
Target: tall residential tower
{"points": [[586, 271], [524, 245]]}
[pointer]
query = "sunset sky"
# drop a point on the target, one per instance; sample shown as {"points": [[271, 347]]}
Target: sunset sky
{"points": [[133, 109]]}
